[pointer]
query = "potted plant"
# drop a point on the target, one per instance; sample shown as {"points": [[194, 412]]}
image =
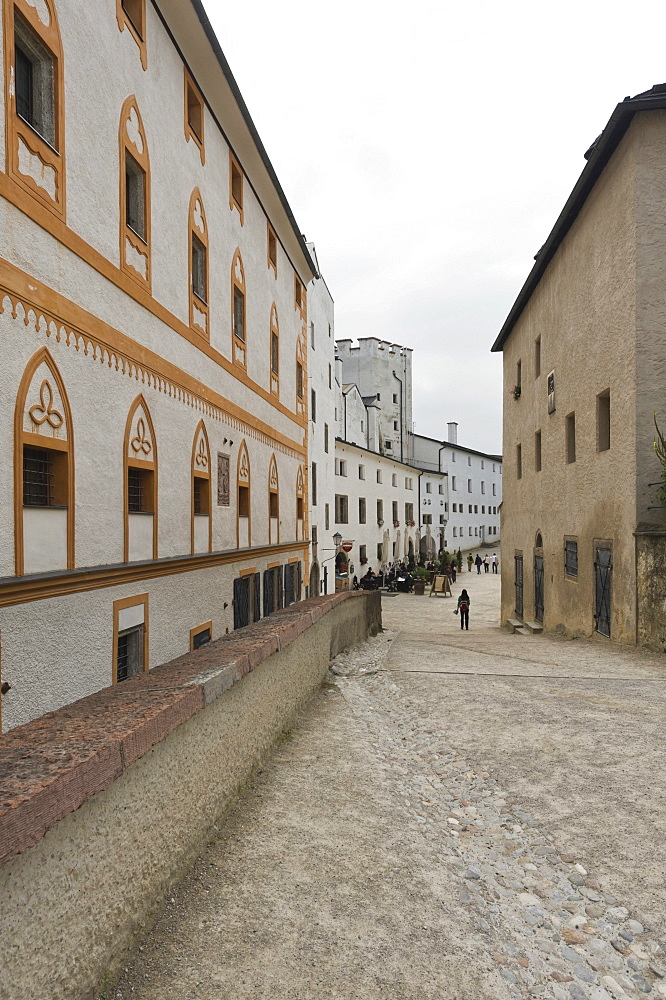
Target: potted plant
{"points": [[515, 392], [422, 576]]}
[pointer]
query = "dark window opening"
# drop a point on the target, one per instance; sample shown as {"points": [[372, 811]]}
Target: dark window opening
{"points": [[34, 72], [201, 495], [199, 269], [570, 431], [239, 314], [243, 501], [129, 654], [272, 504], [275, 354], [272, 247], [135, 197], [571, 558], [236, 185], [299, 380], [201, 638], [139, 491], [194, 112], [603, 421]]}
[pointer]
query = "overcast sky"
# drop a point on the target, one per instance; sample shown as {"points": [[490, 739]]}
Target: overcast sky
{"points": [[427, 149]]}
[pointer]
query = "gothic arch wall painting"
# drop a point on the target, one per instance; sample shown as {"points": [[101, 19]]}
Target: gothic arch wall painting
{"points": [[140, 484], [300, 505], [134, 169], [35, 101], [44, 513], [275, 352], [273, 503], [202, 527], [238, 312], [243, 507], [198, 258]]}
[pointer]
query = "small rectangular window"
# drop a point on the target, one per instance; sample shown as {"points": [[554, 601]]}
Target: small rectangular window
{"points": [[469, 508], [330, 373], [299, 508], [379, 475], [380, 550], [361, 472], [537, 451], [603, 421], [129, 653], [494, 489], [243, 501], [201, 495], [236, 185], [455, 532], [570, 438], [327, 517], [275, 354], [469, 485], [200, 637], [34, 69], [272, 248], [195, 110], [453, 483], [299, 380], [409, 512], [428, 488], [395, 425], [135, 197], [313, 406], [44, 477], [199, 270], [483, 486], [274, 503], [380, 511], [313, 485], [394, 510], [312, 336], [239, 314], [394, 479], [442, 519], [326, 438], [441, 490], [519, 373], [395, 397], [483, 509], [361, 510], [537, 357], [476, 508], [140, 491], [571, 557], [298, 292], [469, 459], [519, 461], [341, 509]]}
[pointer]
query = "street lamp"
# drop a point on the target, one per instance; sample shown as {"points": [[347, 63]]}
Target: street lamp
{"points": [[337, 540]]}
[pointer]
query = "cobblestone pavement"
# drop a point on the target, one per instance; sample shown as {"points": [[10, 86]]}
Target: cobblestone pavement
{"points": [[463, 816]]}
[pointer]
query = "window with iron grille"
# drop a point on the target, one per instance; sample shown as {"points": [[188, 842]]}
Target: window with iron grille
{"points": [[139, 491], [38, 478], [571, 558], [201, 638], [129, 653], [201, 505]]}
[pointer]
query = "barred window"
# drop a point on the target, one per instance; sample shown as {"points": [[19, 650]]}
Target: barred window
{"points": [[38, 478], [571, 558]]}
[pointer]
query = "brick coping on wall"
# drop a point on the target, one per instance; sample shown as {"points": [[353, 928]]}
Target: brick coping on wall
{"points": [[50, 766]]}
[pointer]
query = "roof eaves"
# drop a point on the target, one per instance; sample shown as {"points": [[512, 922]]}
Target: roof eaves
{"points": [[233, 86], [600, 154]]}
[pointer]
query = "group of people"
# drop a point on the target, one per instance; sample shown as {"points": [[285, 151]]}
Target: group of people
{"points": [[479, 562]]}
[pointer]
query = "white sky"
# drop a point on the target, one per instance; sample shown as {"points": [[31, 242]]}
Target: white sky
{"points": [[427, 149]]}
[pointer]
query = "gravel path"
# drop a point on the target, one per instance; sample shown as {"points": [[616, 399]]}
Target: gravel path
{"points": [[457, 816]]}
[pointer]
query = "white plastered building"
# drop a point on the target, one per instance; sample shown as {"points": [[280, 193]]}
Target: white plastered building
{"points": [[155, 351]]}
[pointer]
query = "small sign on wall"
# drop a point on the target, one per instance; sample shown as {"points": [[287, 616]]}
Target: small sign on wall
{"points": [[222, 480], [551, 392]]}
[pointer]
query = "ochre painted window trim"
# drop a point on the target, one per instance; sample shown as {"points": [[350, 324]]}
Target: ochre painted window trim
{"points": [[197, 306], [121, 605], [243, 478], [300, 297], [271, 238], [16, 129], [200, 628], [23, 437], [149, 465], [124, 20], [249, 571], [201, 470], [11, 191], [234, 201], [274, 376], [300, 495], [139, 152], [190, 132], [238, 346], [301, 359], [273, 487]]}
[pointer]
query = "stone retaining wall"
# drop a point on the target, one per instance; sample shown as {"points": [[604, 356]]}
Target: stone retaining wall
{"points": [[104, 803]]}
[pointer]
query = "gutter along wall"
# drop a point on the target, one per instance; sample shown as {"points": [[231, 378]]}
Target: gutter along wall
{"points": [[104, 803]]}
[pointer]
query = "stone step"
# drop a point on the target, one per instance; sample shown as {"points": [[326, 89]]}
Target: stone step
{"points": [[521, 631], [534, 627], [513, 624]]}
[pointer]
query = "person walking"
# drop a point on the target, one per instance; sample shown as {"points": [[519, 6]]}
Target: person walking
{"points": [[486, 564], [453, 572], [463, 610], [478, 562], [470, 562], [493, 560]]}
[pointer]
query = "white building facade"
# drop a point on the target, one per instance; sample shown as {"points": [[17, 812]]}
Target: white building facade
{"points": [[155, 351]]}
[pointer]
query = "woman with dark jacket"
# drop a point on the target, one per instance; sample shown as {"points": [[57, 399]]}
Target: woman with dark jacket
{"points": [[463, 610]]}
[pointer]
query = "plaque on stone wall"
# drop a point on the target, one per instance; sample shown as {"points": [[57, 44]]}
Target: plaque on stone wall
{"points": [[222, 480]]}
